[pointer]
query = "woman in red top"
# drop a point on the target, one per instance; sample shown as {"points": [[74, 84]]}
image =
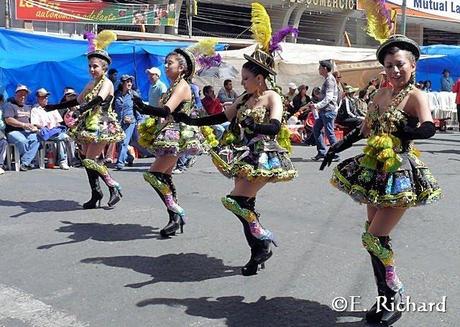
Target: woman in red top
{"points": [[456, 89]]}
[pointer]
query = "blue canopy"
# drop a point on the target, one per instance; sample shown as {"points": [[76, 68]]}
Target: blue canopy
{"points": [[54, 63], [444, 57]]}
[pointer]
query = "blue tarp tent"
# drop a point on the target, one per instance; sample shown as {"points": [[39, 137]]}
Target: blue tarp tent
{"points": [[53, 63], [443, 57]]}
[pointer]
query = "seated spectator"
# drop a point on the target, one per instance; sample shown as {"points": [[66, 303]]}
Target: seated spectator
{"points": [[446, 81], [213, 107], [288, 97], [427, 86], [347, 114], [19, 130], [50, 126], [300, 103], [316, 94], [361, 103], [227, 94], [3, 141]]}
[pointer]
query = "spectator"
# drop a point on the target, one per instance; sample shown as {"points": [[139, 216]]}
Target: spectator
{"points": [[316, 94], [372, 88], [50, 126], [227, 94], [427, 87], [348, 114], [327, 110], [288, 97], [214, 107], [157, 87], [70, 116], [113, 76], [127, 117], [361, 103], [340, 86], [19, 130], [300, 103], [3, 141], [456, 89], [446, 81], [384, 82]]}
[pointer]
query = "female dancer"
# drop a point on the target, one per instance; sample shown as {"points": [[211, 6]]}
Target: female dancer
{"points": [[97, 124], [389, 177], [168, 140], [258, 158]]}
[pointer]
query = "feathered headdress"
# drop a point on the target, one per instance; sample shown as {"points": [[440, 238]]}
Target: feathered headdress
{"points": [[379, 25], [279, 36], [261, 28], [98, 44], [205, 54]]}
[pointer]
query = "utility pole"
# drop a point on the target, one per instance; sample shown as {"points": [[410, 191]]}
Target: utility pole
{"points": [[404, 18], [189, 14]]}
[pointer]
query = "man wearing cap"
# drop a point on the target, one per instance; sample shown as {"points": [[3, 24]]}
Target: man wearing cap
{"points": [[446, 81], [50, 126], [327, 110], [157, 87], [20, 131]]}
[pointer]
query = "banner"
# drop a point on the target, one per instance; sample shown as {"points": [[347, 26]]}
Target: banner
{"points": [[446, 10], [96, 12]]}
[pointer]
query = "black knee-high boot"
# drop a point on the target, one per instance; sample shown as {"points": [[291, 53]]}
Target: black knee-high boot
{"points": [[388, 300], [96, 192], [260, 249], [163, 186]]}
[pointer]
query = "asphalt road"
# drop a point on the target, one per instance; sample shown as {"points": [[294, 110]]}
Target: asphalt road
{"points": [[65, 266]]}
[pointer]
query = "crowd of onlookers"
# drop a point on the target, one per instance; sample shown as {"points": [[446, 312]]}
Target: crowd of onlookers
{"points": [[335, 103]]}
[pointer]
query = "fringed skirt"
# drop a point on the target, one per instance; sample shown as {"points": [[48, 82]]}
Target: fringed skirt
{"points": [[411, 185], [261, 160]]}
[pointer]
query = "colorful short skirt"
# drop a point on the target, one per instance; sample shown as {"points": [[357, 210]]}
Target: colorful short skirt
{"points": [[97, 126], [409, 186], [263, 159]]}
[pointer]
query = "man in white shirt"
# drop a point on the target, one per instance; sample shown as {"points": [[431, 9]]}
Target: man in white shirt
{"points": [[157, 87]]}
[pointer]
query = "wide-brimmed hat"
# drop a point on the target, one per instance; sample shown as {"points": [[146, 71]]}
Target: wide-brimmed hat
{"points": [[190, 59], [69, 91], [350, 89], [292, 86], [400, 41], [126, 77], [262, 59], [42, 92], [101, 54], [21, 87]]}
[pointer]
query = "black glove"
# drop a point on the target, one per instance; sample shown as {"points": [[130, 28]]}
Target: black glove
{"points": [[145, 109], [181, 117], [62, 105], [90, 105], [272, 128], [352, 137], [424, 131], [106, 104]]}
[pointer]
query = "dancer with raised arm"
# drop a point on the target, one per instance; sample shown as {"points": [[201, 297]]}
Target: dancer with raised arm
{"points": [[389, 177], [255, 138], [168, 140], [97, 124]]}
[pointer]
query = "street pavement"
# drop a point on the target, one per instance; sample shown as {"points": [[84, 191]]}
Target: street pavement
{"points": [[65, 266]]}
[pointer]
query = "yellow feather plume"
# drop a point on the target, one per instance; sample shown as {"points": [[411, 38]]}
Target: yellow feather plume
{"points": [[378, 20], [104, 38], [261, 28], [204, 47]]}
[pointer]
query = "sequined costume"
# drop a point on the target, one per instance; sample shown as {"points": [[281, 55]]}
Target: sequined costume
{"points": [[253, 156], [389, 173], [98, 124], [162, 137]]}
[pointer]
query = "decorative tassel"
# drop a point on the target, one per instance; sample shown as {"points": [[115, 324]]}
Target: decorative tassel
{"points": [[261, 28], [379, 24], [279, 36], [104, 38]]}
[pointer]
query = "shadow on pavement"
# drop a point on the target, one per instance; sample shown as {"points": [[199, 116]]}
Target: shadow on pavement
{"points": [[41, 206], [182, 267], [278, 311], [103, 232]]}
